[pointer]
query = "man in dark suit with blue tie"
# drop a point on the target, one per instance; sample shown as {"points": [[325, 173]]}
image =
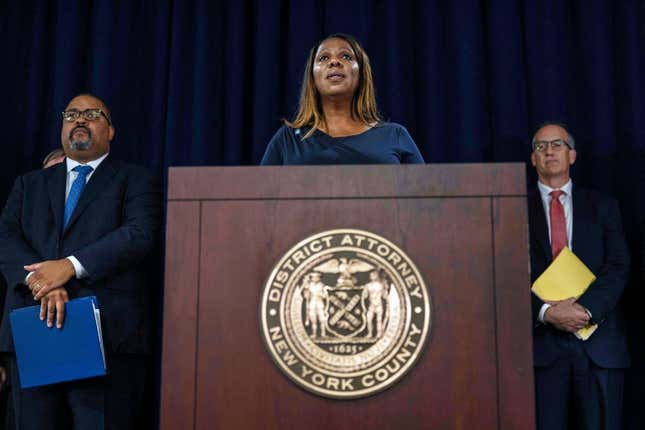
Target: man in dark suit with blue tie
{"points": [[83, 227], [579, 384]]}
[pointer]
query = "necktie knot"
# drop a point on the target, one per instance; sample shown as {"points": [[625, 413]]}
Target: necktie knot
{"points": [[555, 194], [83, 170]]}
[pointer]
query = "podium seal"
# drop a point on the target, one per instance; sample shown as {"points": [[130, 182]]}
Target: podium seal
{"points": [[345, 314]]}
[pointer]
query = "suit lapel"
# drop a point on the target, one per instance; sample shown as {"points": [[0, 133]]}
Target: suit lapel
{"points": [[579, 221], [539, 228], [94, 187], [57, 178]]}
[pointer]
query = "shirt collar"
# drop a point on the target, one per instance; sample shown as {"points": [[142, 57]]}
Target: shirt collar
{"points": [[94, 164], [545, 190]]}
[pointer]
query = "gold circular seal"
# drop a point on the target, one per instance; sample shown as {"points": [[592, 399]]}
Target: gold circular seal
{"points": [[345, 313]]}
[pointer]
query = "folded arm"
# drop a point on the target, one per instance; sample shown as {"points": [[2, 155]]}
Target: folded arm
{"points": [[603, 294], [15, 251], [126, 246]]}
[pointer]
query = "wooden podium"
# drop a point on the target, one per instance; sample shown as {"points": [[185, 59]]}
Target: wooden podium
{"points": [[465, 227]]}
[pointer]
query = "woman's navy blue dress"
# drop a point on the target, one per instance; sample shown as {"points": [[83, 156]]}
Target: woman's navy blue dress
{"points": [[385, 143]]}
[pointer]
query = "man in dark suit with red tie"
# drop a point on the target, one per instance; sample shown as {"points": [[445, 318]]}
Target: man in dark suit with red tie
{"points": [[83, 227], [578, 383]]}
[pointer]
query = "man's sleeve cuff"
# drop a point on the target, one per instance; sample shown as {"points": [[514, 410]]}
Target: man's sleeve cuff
{"points": [[27, 277], [542, 312], [78, 267]]}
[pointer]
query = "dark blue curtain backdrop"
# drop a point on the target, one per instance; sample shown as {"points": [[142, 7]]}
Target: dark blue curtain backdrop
{"points": [[207, 82]]}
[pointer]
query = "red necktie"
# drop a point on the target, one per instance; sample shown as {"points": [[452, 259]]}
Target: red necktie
{"points": [[558, 223]]}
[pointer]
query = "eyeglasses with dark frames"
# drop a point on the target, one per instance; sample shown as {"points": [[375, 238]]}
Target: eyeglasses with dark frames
{"points": [[89, 114], [556, 145]]}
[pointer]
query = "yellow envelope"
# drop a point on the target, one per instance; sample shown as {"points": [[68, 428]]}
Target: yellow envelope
{"points": [[566, 277]]}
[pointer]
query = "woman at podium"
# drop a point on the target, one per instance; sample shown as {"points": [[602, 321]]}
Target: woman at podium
{"points": [[337, 120]]}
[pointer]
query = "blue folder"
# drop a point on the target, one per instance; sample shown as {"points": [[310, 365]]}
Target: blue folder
{"points": [[49, 355]]}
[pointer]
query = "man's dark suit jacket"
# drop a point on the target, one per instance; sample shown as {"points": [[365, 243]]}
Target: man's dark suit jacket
{"points": [[112, 229], [599, 242]]}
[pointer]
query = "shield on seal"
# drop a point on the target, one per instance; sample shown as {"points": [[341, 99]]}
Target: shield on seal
{"points": [[346, 311]]}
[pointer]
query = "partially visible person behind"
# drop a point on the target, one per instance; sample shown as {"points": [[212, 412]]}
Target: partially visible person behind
{"points": [[337, 120], [578, 384], [54, 157]]}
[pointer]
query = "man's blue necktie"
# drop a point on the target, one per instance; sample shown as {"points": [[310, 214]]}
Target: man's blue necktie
{"points": [[75, 192]]}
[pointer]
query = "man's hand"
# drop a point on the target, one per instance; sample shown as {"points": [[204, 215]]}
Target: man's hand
{"points": [[53, 305], [48, 275], [555, 302], [567, 315]]}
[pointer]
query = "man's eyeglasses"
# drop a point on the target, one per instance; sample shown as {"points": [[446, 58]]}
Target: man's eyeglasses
{"points": [[556, 145], [89, 114]]}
